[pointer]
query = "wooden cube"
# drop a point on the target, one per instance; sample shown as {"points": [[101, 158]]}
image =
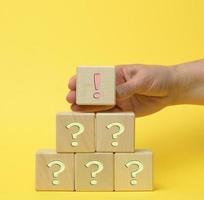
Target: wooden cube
{"points": [[94, 172], [115, 132], [95, 86], [133, 171], [75, 132], [54, 171]]}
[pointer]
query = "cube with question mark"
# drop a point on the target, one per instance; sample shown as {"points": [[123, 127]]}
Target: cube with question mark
{"points": [[94, 172], [54, 171], [75, 132], [115, 132], [133, 171], [95, 85]]}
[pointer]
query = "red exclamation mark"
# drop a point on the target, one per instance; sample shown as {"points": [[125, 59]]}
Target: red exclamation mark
{"points": [[97, 82]]}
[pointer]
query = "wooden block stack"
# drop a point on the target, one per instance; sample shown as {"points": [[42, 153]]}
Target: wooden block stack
{"points": [[94, 152]]}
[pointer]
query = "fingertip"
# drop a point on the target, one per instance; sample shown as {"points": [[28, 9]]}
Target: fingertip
{"points": [[74, 107], [72, 83], [68, 99], [71, 97]]}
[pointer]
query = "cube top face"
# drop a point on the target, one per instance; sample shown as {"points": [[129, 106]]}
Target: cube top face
{"points": [[115, 132], [95, 85], [75, 132], [133, 171], [54, 171], [94, 172]]}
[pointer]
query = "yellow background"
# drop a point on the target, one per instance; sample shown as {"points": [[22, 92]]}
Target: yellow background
{"points": [[42, 42]]}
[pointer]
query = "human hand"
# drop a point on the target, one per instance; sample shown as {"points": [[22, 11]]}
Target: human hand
{"points": [[140, 89]]}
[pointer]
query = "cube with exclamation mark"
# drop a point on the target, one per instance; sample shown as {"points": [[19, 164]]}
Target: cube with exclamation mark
{"points": [[95, 85]]}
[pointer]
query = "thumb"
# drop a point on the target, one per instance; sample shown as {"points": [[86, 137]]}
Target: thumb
{"points": [[127, 89]]}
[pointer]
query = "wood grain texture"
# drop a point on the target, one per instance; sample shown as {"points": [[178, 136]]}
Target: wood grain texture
{"points": [[104, 132], [44, 173], [65, 135], [83, 174], [86, 87], [123, 174]]}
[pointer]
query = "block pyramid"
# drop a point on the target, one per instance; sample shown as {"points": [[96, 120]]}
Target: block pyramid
{"points": [[94, 151]]}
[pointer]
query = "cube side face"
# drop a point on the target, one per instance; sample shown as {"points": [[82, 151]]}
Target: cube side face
{"points": [[54, 171], [115, 132], [133, 171], [86, 164], [95, 86], [75, 132]]}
